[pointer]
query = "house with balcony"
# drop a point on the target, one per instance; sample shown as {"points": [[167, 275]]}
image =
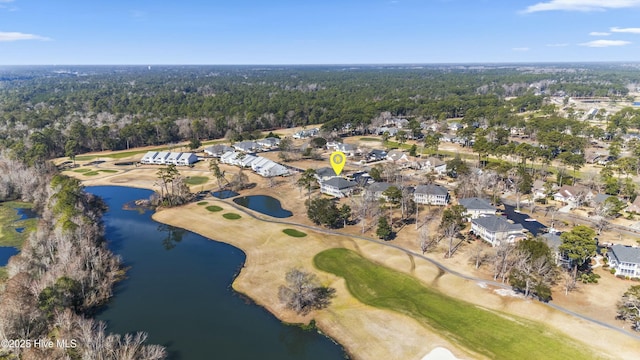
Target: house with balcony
{"points": [[477, 207], [625, 260], [337, 187], [496, 230], [431, 194]]}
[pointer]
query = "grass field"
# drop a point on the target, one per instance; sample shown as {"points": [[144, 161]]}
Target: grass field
{"points": [[9, 222], [294, 233], [491, 333], [196, 180], [213, 208], [369, 139], [83, 170], [231, 216]]}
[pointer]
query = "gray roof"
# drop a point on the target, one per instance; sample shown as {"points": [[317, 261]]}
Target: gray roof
{"points": [[476, 203], [626, 254], [600, 198], [378, 186], [339, 183], [431, 189], [325, 172], [553, 240], [495, 223]]}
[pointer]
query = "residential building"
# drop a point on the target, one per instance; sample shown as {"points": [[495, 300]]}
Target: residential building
{"points": [[231, 158], [337, 187], [270, 169], [477, 207], [538, 190], [376, 155], [268, 143], [347, 149], [187, 159], [217, 150], [399, 158], [246, 146], [599, 199], [495, 230], [433, 164], [376, 189], [149, 157], [573, 195], [554, 241], [173, 158], [325, 173], [625, 260], [431, 194], [161, 158], [303, 134]]}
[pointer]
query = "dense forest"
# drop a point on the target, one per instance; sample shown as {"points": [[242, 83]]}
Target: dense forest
{"points": [[101, 108]]}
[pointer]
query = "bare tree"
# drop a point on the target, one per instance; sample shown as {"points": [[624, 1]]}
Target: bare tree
{"points": [[304, 293]]}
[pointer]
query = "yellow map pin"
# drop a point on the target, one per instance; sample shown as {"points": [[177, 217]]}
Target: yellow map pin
{"points": [[337, 160]]}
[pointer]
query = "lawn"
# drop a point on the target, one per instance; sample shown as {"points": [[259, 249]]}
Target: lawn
{"points": [[213, 208], [494, 334], [231, 216], [83, 170], [370, 139], [203, 203], [294, 233], [196, 180], [9, 222]]}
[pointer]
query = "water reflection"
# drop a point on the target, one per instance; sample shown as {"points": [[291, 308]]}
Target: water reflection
{"points": [[173, 237]]}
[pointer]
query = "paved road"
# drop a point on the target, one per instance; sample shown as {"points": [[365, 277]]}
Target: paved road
{"points": [[430, 260]]}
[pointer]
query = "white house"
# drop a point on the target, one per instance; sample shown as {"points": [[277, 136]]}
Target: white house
{"points": [[303, 134], [431, 194], [149, 157], [268, 143], [347, 149], [231, 158], [573, 195], [399, 158], [477, 207], [625, 260], [495, 229], [435, 165], [337, 187], [271, 169], [173, 158], [187, 159], [247, 160], [246, 146], [217, 150], [161, 158]]}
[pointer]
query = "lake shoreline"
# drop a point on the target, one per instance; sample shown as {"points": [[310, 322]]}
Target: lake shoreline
{"points": [[362, 331]]}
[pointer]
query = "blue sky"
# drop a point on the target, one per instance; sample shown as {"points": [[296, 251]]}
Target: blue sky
{"points": [[317, 31]]}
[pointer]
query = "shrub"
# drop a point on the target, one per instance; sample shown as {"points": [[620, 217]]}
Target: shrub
{"points": [[613, 271]]}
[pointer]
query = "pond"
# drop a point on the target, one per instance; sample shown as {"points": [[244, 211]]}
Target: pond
{"points": [[178, 290], [263, 204], [26, 213], [224, 194], [5, 253]]}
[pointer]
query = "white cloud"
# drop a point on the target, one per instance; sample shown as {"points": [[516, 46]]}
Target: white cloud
{"points": [[606, 43], [557, 45], [15, 36], [599, 33], [520, 49], [581, 5], [625, 30]]}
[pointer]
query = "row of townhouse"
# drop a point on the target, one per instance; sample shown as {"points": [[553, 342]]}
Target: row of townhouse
{"points": [[262, 166], [166, 158]]}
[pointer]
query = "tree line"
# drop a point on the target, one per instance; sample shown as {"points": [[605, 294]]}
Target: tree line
{"points": [[63, 273]]}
